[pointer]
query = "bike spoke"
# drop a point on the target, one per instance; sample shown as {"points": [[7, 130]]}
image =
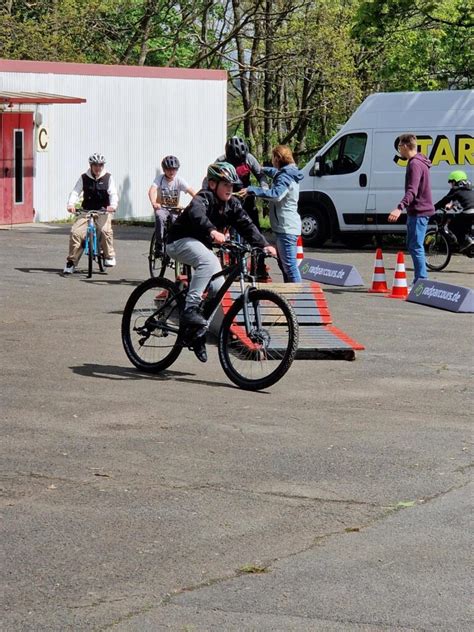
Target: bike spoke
{"points": [[150, 325], [260, 357]]}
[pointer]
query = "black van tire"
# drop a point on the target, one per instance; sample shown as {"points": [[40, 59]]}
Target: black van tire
{"points": [[314, 227]]}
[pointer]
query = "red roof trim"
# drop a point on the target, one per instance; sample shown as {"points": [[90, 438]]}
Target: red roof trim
{"points": [[100, 70]]}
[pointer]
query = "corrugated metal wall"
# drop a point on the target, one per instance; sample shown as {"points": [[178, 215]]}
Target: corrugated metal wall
{"points": [[134, 122]]}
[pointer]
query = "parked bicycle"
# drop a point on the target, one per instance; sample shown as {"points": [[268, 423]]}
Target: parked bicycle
{"points": [[92, 248], [440, 242], [257, 337]]}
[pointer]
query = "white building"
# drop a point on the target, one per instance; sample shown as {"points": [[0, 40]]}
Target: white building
{"points": [[54, 115]]}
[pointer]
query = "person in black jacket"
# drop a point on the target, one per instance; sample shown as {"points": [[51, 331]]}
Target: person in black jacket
{"points": [[202, 224], [246, 165], [462, 196]]}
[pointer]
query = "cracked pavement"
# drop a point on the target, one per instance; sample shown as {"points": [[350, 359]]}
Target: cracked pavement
{"points": [[337, 500]]}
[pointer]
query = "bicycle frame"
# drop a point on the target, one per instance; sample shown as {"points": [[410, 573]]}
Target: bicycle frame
{"points": [[91, 228], [232, 272]]}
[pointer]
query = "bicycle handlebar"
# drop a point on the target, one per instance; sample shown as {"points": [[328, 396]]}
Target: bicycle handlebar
{"points": [[231, 245], [83, 211]]}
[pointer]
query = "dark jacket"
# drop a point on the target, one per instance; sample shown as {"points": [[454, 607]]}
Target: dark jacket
{"points": [[95, 191], [206, 213], [417, 199], [463, 195]]}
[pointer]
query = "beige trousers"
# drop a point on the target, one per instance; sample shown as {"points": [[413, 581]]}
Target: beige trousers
{"points": [[78, 235]]}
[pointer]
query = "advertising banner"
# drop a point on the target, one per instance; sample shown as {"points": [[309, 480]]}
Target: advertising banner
{"points": [[453, 298], [330, 272]]}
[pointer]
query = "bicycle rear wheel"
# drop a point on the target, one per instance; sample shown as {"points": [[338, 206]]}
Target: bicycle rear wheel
{"points": [[90, 254], [437, 250], [157, 261], [261, 358], [150, 325]]}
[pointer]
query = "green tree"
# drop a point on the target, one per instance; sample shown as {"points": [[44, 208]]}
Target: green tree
{"points": [[415, 44]]}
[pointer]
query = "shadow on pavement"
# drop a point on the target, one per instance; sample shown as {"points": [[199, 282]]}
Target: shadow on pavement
{"points": [[114, 372], [48, 270]]}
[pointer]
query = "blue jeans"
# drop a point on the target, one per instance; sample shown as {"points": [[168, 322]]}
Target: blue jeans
{"points": [[286, 248], [416, 230]]}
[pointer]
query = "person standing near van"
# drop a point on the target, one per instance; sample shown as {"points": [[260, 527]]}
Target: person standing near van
{"points": [[417, 202], [284, 217]]}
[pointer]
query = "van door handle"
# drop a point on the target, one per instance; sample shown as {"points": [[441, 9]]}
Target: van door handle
{"points": [[363, 179], [7, 171]]}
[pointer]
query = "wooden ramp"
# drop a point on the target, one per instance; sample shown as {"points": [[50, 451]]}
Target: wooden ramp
{"points": [[319, 338]]}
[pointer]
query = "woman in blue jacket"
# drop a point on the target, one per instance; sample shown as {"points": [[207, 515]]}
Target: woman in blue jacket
{"points": [[284, 217]]}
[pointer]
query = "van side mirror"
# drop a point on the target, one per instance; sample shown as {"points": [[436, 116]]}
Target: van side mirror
{"points": [[316, 168]]}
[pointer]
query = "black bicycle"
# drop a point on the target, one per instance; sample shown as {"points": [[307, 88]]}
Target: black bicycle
{"points": [[158, 259], [440, 242], [257, 335]]}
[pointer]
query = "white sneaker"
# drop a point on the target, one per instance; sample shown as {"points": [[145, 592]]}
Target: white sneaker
{"points": [[69, 267], [110, 262]]}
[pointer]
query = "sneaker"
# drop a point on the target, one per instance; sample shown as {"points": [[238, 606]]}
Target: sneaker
{"points": [[110, 262], [199, 348], [69, 267], [193, 316]]}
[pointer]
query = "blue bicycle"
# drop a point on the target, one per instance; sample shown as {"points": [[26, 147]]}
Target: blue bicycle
{"points": [[92, 248]]}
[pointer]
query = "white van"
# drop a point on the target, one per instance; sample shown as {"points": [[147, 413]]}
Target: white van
{"points": [[358, 177]]}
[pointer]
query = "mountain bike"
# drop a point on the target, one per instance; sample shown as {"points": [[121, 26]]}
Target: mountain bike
{"points": [[92, 249], [257, 337], [440, 242]]}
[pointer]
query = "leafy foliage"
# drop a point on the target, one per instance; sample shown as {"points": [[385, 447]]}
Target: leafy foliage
{"points": [[297, 68]]}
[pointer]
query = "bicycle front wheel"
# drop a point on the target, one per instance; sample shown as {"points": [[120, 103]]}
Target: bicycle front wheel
{"points": [[261, 357], [150, 325], [437, 250], [90, 257], [156, 260]]}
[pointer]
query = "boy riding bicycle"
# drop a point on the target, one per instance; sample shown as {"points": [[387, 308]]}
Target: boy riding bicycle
{"points": [[164, 195], [202, 224]]}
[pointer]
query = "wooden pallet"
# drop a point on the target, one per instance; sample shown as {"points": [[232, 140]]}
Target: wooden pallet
{"points": [[318, 337]]}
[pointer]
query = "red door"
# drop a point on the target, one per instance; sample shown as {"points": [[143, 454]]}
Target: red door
{"points": [[16, 167]]}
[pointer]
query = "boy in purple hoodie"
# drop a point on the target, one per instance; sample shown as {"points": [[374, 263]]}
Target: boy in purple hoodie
{"points": [[417, 202]]}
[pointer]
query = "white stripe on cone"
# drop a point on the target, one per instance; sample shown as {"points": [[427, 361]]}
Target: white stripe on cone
{"points": [[299, 250]]}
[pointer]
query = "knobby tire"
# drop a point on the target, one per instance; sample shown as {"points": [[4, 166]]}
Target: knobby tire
{"points": [[148, 344], [239, 355], [90, 259], [156, 265], [437, 250]]}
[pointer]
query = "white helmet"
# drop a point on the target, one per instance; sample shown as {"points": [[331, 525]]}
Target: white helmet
{"points": [[97, 159]]}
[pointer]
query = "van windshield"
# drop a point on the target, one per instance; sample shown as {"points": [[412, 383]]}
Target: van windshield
{"points": [[345, 156]]}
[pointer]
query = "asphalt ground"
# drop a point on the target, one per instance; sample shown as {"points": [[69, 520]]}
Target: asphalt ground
{"points": [[337, 500]]}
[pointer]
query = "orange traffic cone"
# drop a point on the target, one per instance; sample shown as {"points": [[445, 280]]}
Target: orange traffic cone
{"points": [[400, 285], [299, 250], [379, 283]]}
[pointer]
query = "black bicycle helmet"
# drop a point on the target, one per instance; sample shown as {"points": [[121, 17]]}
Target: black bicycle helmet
{"points": [[97, 159], [222, 171], [170, 162], [236, 150]]}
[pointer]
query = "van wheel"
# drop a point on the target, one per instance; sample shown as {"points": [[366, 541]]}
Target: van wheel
{"points": [[313, 227]]}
